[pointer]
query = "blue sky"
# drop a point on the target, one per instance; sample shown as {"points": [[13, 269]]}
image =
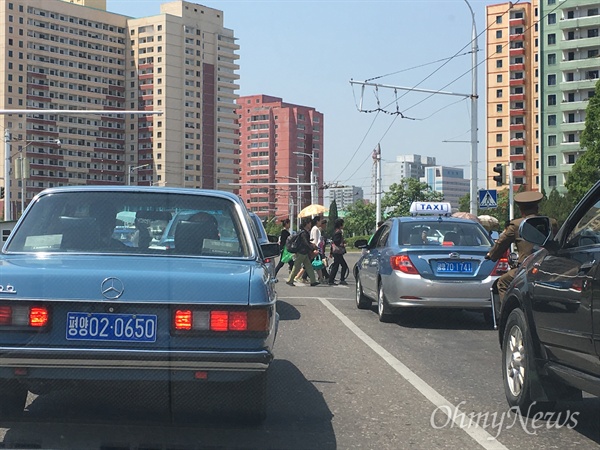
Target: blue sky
{"points": [[306, 52]]}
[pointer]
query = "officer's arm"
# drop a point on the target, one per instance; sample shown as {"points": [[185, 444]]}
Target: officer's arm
{"points": [[502, 244]]}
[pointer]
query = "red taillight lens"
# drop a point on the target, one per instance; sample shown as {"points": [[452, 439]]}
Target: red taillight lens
{"points": [[403, 264], [238, 321], [5, 315], [219, 320], [183, 319], [38, 317], [501, 267]]}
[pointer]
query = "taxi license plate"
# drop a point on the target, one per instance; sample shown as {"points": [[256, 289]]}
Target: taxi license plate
{"points": [[455, 267], [111, 327]]}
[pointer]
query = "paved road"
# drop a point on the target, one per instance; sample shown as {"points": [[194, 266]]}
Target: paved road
{"points": [[341, 380]]}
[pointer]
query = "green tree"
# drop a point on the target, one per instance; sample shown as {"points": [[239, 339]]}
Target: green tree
{"points": [[586, 170], [396, 202], [557, 206], [360, 218], [331, 218]]}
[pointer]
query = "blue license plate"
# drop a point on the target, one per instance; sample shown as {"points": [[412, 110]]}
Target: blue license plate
{"points": [[83, 326], [455, 267]]}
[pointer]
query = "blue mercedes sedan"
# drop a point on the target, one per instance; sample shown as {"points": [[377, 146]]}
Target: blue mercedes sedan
{"points": [[79, 305]]}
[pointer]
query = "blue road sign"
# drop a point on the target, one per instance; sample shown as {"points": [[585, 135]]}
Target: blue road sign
{"points": [[488, 198]]}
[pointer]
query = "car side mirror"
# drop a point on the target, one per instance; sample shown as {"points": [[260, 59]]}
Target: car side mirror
{"points": [[361, 243], [537, 230], [270, 250]]}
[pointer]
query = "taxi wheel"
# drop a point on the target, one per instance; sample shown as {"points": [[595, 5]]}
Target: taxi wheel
{"points": [[384, 311], [362, 301], [13, 396]]}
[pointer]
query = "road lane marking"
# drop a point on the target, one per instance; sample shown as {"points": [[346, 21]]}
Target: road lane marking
{"points": [[481, 436]]}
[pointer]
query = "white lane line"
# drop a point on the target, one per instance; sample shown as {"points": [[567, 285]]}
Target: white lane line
{"points": [[481, 436]]}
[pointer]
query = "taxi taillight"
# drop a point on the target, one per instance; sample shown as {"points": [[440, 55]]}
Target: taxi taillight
{"points": [[221, 320], [24, 316], [403, 264]]}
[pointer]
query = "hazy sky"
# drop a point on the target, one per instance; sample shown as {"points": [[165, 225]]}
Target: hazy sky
{"points": [[306, 52]]}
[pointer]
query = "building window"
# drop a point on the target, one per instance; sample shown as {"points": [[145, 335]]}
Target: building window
{"points": [[551, 39], [499, 107], [552, 100], [552, 140], [498, 78], [498, 34], [499, 64], [552, 120], [552, 181], [498, 93], [571, 158], [498, 152], [552, 79], [552, 161], [499, 123], [551, 58], [551, 19], [498, 19], [499, 137], [499, 48]]}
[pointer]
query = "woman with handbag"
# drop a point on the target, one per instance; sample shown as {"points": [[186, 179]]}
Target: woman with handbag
{"points": [[338, 250], [303, 255]]}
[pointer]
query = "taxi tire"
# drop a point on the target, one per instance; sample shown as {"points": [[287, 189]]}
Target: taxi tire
{"points": [[362, 301], [13, 396], [385, 313]]}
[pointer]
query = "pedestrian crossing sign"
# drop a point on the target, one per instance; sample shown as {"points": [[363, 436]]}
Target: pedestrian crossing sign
{"points": [[488, 198]]}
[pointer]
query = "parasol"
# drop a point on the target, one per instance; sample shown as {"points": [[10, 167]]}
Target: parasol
{"points": [[312, 210], [490, 223], [465, 215]]}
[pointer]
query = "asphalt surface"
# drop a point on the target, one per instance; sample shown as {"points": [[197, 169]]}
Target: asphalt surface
{"points": [[341, 380]]}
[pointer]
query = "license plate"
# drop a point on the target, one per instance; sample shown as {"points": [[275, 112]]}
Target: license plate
{"points": [[83, 326], [455, 267]]}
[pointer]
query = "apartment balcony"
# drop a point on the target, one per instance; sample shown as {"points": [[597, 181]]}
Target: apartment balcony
{"points": [[514, 158], [517, 142], [145, 76], [580, 64], [517, 112], [580, 22], [577, 44], [516, 22], [516, 51], [572, 126], [519, 173], [517, 126], [517, 97], [145, 66], [41, 87], [572, 106], [517, 37], [517, 82], [515, 67]]}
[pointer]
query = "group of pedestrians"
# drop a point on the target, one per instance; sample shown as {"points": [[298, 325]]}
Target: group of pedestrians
{"points": [[312, 245]]}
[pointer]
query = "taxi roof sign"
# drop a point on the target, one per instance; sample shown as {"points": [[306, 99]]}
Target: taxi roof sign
{"points": [[430, 208]]}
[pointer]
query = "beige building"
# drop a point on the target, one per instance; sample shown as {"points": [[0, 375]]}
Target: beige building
{"points": [[512, 92], [63, 55]]}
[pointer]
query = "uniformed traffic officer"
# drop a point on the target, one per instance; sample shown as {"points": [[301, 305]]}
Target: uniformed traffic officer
{"points": [[528, 203]]}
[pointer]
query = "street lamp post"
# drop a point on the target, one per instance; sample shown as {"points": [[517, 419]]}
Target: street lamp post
{"points": [[313, 181], [298, 199], [474, 176], [132, 169]]}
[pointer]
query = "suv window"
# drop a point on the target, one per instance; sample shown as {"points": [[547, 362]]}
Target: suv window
{"points": [[587, 230]]}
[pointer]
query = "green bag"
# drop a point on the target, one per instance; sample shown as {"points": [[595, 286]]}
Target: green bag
{"points": [[286, 256]]}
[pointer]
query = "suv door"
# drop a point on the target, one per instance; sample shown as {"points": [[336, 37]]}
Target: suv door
{"points": [[563, 290]]}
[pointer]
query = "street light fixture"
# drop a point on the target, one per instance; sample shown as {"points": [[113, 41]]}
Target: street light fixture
{"points": [[313, 181], [132, 169]]}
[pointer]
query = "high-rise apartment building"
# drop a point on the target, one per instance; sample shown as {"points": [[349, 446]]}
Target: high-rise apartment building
{"points": [[65, 55], [281, 144], [345, 196], [570, 67], [405, 166], [448, 181], [512, 108]]}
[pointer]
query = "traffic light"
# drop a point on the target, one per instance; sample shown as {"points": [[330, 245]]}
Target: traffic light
{"points": [[1, 192], [500, 179]]}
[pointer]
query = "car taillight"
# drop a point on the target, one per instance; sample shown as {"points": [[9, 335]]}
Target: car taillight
{"points": [[501, 267], [403, 264], [24, 316], [221, 320], [38, 317]]}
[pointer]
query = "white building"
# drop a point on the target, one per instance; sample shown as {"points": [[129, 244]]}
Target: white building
{"points": [[405, 166], [449, 181], [345, 196]]}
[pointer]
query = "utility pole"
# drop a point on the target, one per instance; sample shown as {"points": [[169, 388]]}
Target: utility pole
{"points": [[377, 159], [7, 211]]}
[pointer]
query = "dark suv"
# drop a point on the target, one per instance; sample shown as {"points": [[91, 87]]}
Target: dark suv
{"points": [[550, 317]]}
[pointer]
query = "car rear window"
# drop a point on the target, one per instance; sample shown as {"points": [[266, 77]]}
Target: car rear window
{"points": [[444, 232], [126, 222]]}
